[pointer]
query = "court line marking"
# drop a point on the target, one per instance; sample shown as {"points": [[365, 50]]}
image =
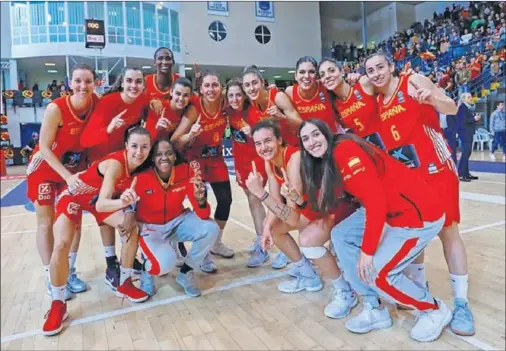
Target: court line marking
{"points": [[238, 283], [489, 182], [12, 189], [491, 199], [140, 307]]}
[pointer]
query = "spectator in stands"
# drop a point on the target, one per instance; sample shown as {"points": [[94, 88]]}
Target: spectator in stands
{"points": [[466, 127], [35, 87], [462, 77], [21, 85], [33, 142], [475, 68], [498, 128]]}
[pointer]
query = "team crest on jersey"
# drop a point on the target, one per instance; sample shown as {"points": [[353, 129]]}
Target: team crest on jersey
{"points": [[322, 96], [400, 97], [357, 95], [195, 165], [149, 192]]}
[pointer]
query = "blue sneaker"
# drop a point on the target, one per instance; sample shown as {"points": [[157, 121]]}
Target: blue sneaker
{"points": [[208, 265], [280, 261], [112, 276], [189, 283], [68, 294], [300, 284], [462, 322], [74, 284], [257, 258], [148, 283]]}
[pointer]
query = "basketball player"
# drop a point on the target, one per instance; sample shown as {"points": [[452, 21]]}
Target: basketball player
{"points": [[309, 96], [56, 160], [411, 133], [97, 192], [119, 109], [161, 217], [201, 136], [400, 215], [288, 211]]}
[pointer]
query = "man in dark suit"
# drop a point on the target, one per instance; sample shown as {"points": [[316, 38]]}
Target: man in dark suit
{"points": [[466, 126]]}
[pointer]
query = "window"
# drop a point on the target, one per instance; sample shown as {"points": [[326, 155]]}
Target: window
{"points": [[19, 20], [217, 31], [38, 22], [262, 34], [149, 25], [76, 21], [133, 17], [174, 28], [96, 10], [116, 32], [57, 24], [163, 27]]}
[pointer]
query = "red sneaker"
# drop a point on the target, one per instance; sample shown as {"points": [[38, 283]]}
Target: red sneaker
{"points": [[54, 318], [131, 292]]}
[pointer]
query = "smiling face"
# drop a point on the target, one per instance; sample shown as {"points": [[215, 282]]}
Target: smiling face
{"points": [[181, 96], [235, 97], [164, 61], [133, 84], [137, 146], [164, 157], [82, 83], [379, 71], [313, 140], [266, 143], [211, 88], [306, 75], [252, 85], [330, 75]]}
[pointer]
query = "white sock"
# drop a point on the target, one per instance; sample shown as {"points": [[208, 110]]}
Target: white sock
{"points": [[340, 283], [58, 292], [219, 239], [305, 268], [110, 251], [125, 273], [47, 272], [417, 273], [72, 260], [459, 285]]}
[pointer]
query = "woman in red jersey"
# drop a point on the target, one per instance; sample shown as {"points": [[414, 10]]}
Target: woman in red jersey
{"points": [[400, 215], [289, 211], [56, 160], [270, 103], [409, 108], [103, 190], [309, 96], [163, 219], [200, 134], [357, 105], [119, 109]]}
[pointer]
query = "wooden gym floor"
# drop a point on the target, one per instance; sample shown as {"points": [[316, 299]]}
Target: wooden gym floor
{"points": [[241, 308]]}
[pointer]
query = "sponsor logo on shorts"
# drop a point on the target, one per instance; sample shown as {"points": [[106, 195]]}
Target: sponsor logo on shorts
{"points": [[45, 191], [178, 189], [73, 208]]}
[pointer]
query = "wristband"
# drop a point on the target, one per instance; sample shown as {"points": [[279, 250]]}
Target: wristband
{"points": [[303, 206], [264, 196], [130, 209]]}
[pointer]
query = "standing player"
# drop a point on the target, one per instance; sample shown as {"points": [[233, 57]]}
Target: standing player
{"points": [[289, 210], [270, 103], [400, 215], [201, 136], [159, 85], [411, 133], [161, 217], [119, 109], [357, 104], [55, 162], [309, 96], [97, 192]]}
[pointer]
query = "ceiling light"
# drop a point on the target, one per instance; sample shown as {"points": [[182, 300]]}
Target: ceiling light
{"points": [[52, 71], [188, 68], [146, 67], [275, 77], [291, 71], [50, 64]]}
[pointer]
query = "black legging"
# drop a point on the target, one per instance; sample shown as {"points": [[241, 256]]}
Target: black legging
{"points": [[223, 194]]}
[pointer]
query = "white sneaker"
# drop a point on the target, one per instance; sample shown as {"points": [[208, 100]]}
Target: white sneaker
{"points": [[492, 157], [430, 324], [222, 250], [341, 304], [179, 257], [300, 284], [368, 319]]}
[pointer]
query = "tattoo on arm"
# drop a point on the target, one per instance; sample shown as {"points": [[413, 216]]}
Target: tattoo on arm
{"points": [[281, 211]]}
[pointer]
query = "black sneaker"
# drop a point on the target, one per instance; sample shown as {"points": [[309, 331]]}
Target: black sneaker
{"points": [[112, 276], [182, 249], [472, 177]]}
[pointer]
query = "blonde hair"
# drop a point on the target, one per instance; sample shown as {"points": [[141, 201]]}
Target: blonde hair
{"points": [[463, 97]]}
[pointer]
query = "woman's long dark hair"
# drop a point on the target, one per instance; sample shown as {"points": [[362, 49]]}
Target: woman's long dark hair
{"points": [[332, 95], [118, 83], [322, 173], [237, 82]]}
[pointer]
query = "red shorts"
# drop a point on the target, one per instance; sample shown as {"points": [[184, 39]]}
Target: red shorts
{"points": [[73, 206], [212, 170], [43, 188], [341, 212], [447, 185], [243, 169]]}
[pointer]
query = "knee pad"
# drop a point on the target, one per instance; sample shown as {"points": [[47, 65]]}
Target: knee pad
{"points": [[313, 252]]}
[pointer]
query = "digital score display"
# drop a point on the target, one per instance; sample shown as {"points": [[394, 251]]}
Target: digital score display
{"points": [[95, 34]]}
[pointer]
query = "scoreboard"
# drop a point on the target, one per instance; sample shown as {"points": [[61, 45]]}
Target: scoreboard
{"points": [[95, 34]]}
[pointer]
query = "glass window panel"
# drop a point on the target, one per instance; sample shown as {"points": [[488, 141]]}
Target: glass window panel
{"points": [[76, 12], [133, 14], [57, 12], [96, 10]]}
